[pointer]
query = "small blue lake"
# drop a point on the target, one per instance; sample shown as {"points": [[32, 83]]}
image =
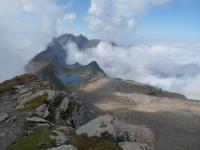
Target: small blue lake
{"points": [[70, 79]]}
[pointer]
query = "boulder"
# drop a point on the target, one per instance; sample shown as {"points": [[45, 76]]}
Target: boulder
{"points": [[98, 126], [120, 131]]}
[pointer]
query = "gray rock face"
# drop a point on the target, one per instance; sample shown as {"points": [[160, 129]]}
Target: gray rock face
{"points": [[42, 111], [62, 108], [36, 120], [23, 97], [3, 117], [132, 146], [98, 126], [116, 128]]}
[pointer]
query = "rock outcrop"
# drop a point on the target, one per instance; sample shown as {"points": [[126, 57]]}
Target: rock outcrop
{"points": [[121, 132], [30, 107]]}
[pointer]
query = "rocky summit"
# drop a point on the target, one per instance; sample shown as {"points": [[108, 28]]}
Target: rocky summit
{"points": [[60, 106]]}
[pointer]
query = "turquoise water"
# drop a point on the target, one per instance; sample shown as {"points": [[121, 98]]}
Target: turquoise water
{"points": [[70, 79]]}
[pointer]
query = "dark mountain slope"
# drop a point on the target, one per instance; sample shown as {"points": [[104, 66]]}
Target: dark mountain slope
{"points": [[56, 53]]}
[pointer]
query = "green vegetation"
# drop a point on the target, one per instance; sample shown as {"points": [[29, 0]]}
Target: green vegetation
{"points": [[39, 139], [7, 85], [83, 142], [35, 102], [38, 86]]}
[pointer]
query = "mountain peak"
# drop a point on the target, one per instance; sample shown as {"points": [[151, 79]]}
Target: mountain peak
{"points": [[94, 65], [64, 39]]}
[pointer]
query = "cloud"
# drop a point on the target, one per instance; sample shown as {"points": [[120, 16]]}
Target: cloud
{"points": [[26, 26], [112, 15], [131, 23], [70, 17], [174, 67]]}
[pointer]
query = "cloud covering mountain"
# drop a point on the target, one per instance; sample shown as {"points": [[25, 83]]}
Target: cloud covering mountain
{"points": [[26, 26], [174, 67]]}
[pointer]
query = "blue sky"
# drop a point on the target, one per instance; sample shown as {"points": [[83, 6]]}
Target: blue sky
{"points": [[178, 19]]}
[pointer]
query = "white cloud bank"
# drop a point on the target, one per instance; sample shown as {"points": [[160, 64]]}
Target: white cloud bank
{"points": [[26, 26], [174, 67], [113, 15]]}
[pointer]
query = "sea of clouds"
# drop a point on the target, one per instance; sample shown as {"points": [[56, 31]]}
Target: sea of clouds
{"points": [[174, 67]]}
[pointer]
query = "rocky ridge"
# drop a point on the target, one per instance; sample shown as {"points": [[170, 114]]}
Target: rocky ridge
{"points": [[34, 116]]}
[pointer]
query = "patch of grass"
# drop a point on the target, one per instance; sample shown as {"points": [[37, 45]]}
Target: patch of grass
{"points": [[83, 142], [35, 102], [39, 139], [39, 86], [7, 85]]}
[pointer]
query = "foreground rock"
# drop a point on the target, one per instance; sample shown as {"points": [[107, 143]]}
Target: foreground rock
{"points": [[119, 131]]}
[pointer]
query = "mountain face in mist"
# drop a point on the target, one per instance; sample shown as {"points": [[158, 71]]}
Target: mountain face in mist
{"points": [[56, 54], [55, 50]]}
